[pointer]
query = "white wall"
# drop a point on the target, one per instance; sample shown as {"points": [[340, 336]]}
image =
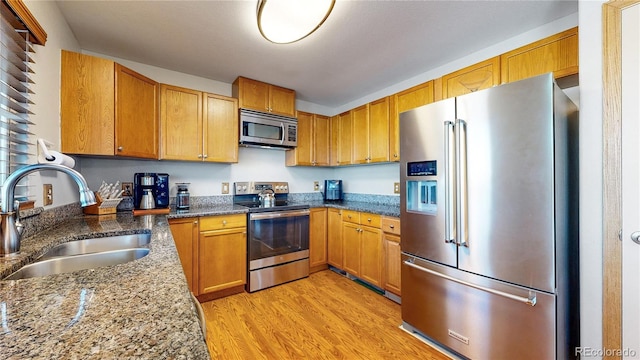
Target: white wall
{"points": [[590, 22], [47, 96]]}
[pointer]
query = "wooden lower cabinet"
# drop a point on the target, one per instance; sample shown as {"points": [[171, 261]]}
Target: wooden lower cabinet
{"points": [[362, 239], [185, 236], [317, 239], [392, 259], [213, 253], [335, 247]]}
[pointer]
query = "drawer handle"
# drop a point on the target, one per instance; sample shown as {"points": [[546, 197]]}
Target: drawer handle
{"points": [[369, 219], [391, 226], [224, 222], [349, 216]]}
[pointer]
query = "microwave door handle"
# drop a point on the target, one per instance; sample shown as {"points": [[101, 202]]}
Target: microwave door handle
{"points": [[283, 135]]}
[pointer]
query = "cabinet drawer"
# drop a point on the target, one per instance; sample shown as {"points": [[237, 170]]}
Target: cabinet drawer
{"points": [[351, 216], [391, 225], [368, 219], [223, 222]]}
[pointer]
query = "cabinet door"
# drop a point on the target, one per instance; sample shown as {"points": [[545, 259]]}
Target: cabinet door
{"points": [[344, 138], [379, 130], [476, 77], [371, 255], [303, 153], [318, 239], [360, 135], [392, 263], [181, 119], [334, 139], [557, 53], [185, 236], [136, 119], [322, 135], [282, 101], [351, 243], [335, 248], [406, 100], [222, 261], [251, 94], [87, 104], [220, 128]]}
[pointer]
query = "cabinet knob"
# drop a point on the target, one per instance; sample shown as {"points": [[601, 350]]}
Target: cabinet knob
{"points": [[199, 156], [395, 155], [369, 219], [205, 156], [120, 148], [224, 222], [349, 216], [195, 222], [391, 226]]}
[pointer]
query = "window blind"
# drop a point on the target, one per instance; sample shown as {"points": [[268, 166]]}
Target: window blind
{"points": [[16, 80]]}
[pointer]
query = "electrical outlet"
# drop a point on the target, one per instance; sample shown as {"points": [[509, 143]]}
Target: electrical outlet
{"points": [[316, 186], [225, 187], [396, 188], [47, 194]]}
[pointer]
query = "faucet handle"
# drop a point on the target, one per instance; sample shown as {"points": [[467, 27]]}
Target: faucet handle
{"points": [[19, 225]]}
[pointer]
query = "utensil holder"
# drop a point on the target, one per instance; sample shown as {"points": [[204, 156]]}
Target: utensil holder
{"points": [[102, 206]]}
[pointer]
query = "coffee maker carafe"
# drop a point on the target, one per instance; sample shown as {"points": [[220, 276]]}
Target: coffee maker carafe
{"points": [[150, 190]]}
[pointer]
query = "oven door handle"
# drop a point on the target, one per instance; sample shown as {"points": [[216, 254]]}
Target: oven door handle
{"points": [[278, 214]]}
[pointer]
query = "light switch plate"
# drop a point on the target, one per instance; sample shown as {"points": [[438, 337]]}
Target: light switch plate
{"points": [[396, 188], [225, 187]]}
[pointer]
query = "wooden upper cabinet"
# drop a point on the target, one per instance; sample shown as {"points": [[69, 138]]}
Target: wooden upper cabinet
{"points": [[181, 121], [379, 130], [106, 108], [220, 128], [476, 77], [405, 100], [87, 112], [557, 53], [198, 126], [137, 125], [360, 135], [260, 96], [345, 131], [313, 141], [334, 139]]}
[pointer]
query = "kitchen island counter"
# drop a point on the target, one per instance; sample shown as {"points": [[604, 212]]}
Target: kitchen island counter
{"points": [[140, 309]]}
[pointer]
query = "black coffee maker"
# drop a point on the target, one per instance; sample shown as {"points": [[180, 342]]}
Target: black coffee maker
{"points": [[151, 183], [333, 190]]}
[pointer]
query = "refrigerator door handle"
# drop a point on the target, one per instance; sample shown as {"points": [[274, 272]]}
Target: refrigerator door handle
{"points": [[449, 176], [461, 183], [531, 300]]}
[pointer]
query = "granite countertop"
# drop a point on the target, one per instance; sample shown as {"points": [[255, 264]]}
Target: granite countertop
{"points": [[141, 309]]}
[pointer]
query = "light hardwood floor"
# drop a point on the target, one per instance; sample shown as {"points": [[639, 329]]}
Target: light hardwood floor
{"points": [[325, 316]]}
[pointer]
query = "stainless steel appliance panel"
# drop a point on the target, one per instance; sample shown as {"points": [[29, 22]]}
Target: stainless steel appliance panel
{"points": [[474, 322], [275, 233], [507, 218], [275, 275], [264, 129], [422, 132]]}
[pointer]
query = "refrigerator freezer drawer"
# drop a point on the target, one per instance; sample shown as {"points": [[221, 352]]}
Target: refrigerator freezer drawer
{"points": [[489, 321]]}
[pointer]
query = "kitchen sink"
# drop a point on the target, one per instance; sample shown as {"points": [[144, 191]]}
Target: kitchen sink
{"points": [[65, 264], [94, 245]]}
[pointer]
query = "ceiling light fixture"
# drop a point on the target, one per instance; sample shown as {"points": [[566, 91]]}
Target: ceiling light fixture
{"points": [[287, 21]]}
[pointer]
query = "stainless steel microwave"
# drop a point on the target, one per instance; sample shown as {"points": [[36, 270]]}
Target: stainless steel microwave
{"points": [[262, 129]]}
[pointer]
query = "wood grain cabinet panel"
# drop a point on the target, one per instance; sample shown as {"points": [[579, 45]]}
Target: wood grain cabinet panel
{"points": [[313, 141], [222, 254], [198, 126], [362, 246], [371, 132], [317, 239], [185, 236], [476, 77], [402, 101], [391, 256], [260, 96], [335, 247], [343, 152], [360, 134], [557, 53], [106, 108]]}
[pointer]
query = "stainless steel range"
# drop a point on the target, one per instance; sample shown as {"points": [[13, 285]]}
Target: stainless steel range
{"points": [[277, 236]]}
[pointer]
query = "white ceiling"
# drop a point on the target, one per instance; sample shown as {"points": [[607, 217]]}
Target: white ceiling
{"points": [[363, 47]]}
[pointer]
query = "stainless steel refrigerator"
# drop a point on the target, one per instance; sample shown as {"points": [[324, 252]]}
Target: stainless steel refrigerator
{"points": [[489, 222]]}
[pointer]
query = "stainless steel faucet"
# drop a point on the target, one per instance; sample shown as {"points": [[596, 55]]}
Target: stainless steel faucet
{"points": [[10, 227]]}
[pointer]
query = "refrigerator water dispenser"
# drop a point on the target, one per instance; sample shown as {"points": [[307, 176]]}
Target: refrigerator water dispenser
{"points": [[422, 196]]}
